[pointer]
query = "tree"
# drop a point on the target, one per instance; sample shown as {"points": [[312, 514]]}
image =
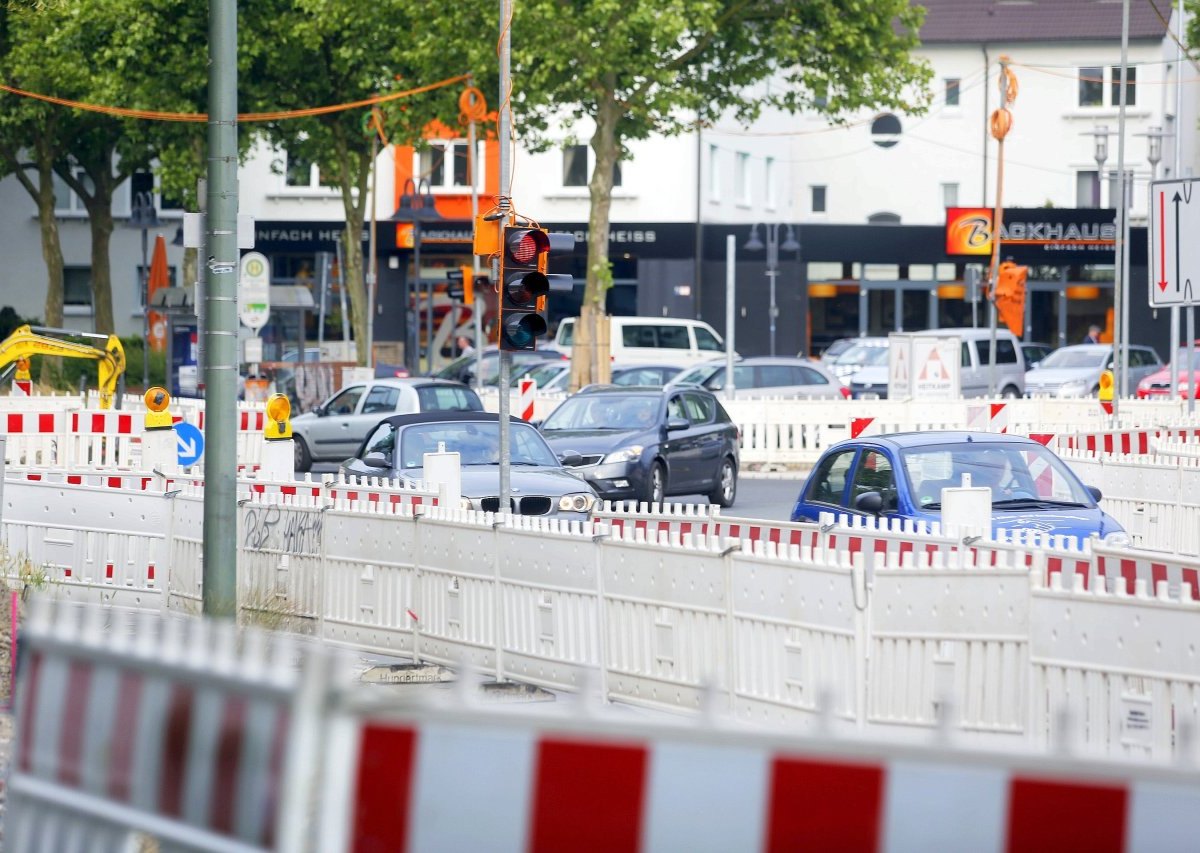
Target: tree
{"points": [[642, 67], [324, 52]]}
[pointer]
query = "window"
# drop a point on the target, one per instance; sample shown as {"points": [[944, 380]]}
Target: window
{"points": [[345, 402], [77, 286], [769, 185], [965, 357], [448, 398], [874, 474], [885, 130], [1006, 353], [381, 398], [829, 482], [714, 173], [301, 172], [953, 84], [774, 376], [700, 409], [706, 340], [884, 217], [1091, 86], [674, 337], [382, 440], [742, 178], [1087, 188], [1130, 82], [575, 171], [949, 195], [65, 199], [808, 376], [445, 164], [818, 199]]}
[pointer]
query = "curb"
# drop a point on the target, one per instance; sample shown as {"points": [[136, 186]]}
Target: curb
{"points": [[798, 474]]}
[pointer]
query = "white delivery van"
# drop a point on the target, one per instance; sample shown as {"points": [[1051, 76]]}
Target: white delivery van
{"points": [[652, 340]]}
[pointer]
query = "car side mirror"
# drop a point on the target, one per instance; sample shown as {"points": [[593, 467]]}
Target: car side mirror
{"points": [[676, 424], [1095, 493], [319, 410], [871, 502], [375, 459], [570, 459]]}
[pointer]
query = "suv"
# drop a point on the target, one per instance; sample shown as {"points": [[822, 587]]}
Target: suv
{"points": [[651, 340], [334, 430], [646, 443]]}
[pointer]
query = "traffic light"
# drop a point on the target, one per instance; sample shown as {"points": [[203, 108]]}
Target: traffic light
{"points": [[524, 283]]}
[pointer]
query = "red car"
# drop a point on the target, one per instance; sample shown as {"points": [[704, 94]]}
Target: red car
{"points": [[1157, 386]]}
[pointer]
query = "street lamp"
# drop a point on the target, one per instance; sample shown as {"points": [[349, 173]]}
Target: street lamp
{"points": [[144, 217], [754, 244], [1100, 134]]}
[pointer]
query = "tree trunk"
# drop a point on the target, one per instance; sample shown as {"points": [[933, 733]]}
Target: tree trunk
{"points": [[591, 363], [101, 220], [52, 254], [352, 276]]}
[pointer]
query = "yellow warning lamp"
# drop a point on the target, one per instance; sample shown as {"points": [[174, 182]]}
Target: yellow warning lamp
{"points": [[22, 374], [157, 400], [279, 413], [1106, 386]]}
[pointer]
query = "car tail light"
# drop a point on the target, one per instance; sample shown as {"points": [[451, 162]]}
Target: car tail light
{"points": [[846, 395]]}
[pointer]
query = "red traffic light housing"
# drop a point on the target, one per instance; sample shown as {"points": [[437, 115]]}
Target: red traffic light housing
{"points": [[522, 284]]}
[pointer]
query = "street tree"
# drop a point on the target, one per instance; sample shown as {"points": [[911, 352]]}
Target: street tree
{"points": [[637, 68]]}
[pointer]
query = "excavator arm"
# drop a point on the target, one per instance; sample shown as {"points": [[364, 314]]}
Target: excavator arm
{"points": [[25, 341]]}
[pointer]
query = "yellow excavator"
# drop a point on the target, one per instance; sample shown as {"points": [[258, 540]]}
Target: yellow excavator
{"points": [[34, 340]]}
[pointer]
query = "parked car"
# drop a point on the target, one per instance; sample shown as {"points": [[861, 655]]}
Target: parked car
{"points": [[645, 375], [871, 380], [767, 377], [1074, 371], [651, 339], [462, 369], [1158, 385], [539, 483], [830, 354], [1034, 352], [975, 366], [645, 444], [901, 476], [549, 375], [856, 356], [334, 429]]}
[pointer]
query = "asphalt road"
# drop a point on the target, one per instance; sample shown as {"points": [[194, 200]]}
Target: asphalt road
{"points": [[768, 499]]}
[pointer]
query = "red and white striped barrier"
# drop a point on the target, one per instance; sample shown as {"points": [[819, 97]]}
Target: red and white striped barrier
{"points": [[988, 417], [538, 784], [526, 400], [168, 727]]}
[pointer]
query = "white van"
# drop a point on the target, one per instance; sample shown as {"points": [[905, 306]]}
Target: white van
{"points": [[652, 340], [976, 368]]}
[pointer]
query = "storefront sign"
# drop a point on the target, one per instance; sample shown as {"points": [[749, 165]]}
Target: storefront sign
{"points": [[1029, 232]]}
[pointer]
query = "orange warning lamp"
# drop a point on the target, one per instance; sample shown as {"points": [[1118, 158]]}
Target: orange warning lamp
{"points": [[279, 412], [22, 370], [157, 400], [1106, 386]]}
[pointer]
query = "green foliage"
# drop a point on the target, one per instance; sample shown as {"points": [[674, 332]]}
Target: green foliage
{"points": [[10, 320], [65, 373]]}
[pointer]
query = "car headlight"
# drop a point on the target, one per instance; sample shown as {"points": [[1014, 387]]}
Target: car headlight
{"points": [[632, 453], [1117, 539], [576, 502]]}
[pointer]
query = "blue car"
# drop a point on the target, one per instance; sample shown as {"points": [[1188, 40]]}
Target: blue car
{"points": [[902, 476]]}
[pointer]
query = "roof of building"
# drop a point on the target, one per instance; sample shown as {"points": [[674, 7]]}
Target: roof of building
{"points": [[977, 21]]}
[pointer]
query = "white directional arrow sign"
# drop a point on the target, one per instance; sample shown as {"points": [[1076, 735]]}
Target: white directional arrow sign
{"points": [[1174, 247]]}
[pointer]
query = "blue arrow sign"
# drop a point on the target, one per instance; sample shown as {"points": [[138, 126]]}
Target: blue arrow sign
{"points": [[189, 443]]}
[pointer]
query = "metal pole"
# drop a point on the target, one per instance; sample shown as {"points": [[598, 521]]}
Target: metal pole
{"points": [[146, 308], [220, 465], [730, 308], [1120, 297], [324, 299], [476, 310], [373, 272], [415, 287], [506, 8], [1174, 348], [1191, 359], [772, 272]]}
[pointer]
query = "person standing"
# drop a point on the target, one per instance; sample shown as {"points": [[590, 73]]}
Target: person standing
{"points": [[1093, 335]]}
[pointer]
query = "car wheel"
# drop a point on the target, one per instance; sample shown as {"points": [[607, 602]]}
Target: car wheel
{"points": [[656, 484], [303, 457], [725, 489], [1010, 393]]}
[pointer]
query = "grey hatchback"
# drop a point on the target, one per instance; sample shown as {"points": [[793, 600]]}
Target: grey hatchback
{"points": [[647, 443]]}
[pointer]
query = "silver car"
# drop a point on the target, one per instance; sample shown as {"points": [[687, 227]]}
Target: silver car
{"points": [[538, 482], [764, 376], [335, 429], [1074, 371], [864, 352]]}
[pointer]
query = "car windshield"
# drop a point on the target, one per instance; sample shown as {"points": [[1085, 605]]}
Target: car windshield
{"points": [[697, 375], [477, 443], [1016, 473], [490, 367], [861, 354], [877, 357], [837, 348], [605, 411], [542, 374], [1065, 359], [1181, 358]]}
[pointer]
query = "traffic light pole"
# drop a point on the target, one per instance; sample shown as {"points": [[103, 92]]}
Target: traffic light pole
{"points": [[506, 10]]}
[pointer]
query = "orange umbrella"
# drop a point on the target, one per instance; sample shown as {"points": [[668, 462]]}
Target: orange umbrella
{"points": [[159, 276]]}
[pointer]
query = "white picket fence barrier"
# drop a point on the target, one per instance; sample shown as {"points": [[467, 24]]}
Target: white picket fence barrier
{"points": [[148, 731], [866, 627]]}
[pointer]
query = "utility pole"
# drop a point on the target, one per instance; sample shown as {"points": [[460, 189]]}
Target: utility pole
{"points": [[221, 271], [505, 203], [1121, 266], [1001, 122]]}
